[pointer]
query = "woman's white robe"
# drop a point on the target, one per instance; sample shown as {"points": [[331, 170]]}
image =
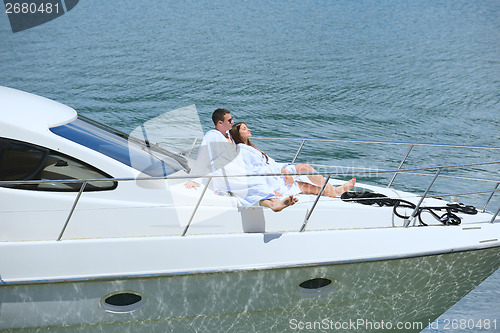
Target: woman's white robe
{"points": [[261, 187]]}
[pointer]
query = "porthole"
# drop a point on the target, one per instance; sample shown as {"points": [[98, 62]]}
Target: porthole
{"points": [[123, 301], [316, 286]]}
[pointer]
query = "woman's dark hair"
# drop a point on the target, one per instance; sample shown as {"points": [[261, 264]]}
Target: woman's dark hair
{"points": [[235, 134]]}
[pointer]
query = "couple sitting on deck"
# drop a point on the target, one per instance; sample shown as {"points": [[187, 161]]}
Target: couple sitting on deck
{"points": [[231, 152]]}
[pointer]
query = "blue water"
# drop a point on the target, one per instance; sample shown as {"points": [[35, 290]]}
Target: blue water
{"points": [[412, 71]]}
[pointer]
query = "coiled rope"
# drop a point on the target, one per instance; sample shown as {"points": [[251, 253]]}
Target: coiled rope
{"points": [[448, 218]]}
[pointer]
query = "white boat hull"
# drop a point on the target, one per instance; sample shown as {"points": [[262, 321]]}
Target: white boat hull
{"points": [[409, 291]]}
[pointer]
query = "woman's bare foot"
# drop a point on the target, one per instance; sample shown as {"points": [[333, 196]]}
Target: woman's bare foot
{"points": [[337, 191], [277, 205]]}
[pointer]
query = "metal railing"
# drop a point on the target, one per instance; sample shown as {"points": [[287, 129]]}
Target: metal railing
{"points": [[84, 182], [327, 175], [395, 173], [304, 140]]}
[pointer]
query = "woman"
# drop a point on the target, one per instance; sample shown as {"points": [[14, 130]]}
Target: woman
{"points": [[259, 162]]}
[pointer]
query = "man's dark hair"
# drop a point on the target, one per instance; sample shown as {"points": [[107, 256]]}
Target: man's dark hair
{"points": [[218, 115]]}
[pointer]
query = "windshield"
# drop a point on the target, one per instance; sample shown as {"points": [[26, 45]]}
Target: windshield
{"points": [[151, 160]]}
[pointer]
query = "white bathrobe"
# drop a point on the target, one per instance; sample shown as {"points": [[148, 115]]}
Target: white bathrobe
{"points": [[263, 187]]}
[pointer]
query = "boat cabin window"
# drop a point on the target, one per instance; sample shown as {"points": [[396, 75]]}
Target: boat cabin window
{"points": [[149, 159], [21, 161]]}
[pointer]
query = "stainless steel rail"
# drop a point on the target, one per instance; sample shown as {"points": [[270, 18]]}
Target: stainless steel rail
{"points": [[489, 198], [329, 174], [375, 142], [298, 151], [309, 212], [82, 188], [415, 211], [411, 146], [400, 165], [495, 216], [196, 207], [442, 145]]}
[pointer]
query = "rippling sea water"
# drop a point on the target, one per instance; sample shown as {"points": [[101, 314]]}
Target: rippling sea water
{"points": [[412, 71]]}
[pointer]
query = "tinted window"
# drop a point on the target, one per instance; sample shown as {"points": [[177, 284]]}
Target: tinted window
{"points": [[152, 160], [22, 161]]}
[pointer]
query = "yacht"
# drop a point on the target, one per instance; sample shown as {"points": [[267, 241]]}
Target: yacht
{"points": [[99, 233]]}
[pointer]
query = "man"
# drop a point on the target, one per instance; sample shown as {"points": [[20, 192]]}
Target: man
{"points": [[223, 122], [216, 149], [218, 156], [217, 140]]}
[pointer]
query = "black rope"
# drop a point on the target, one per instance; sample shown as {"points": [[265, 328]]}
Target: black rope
{"points": [[448, 218]]}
